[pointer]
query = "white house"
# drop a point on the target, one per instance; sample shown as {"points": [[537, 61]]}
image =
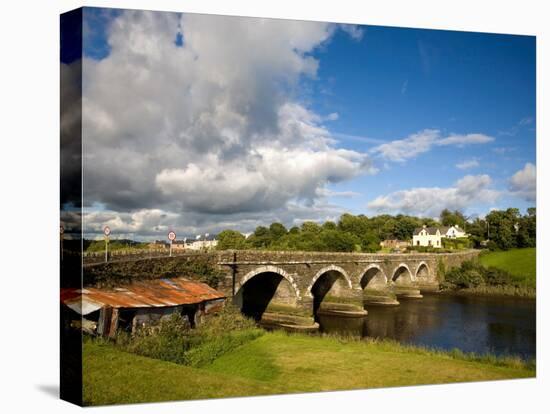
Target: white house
{"points": [[427, 236], [431, 236], [453, 232], [202, 242]]}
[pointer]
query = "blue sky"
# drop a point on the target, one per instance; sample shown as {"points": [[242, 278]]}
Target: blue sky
{"points": [[290, 121], [397, 81]]}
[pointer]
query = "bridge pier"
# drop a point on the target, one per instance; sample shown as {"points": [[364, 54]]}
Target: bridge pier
{"points": [[427, 287], [406, 292], [348, 303], [379, 297], [295, 318]]}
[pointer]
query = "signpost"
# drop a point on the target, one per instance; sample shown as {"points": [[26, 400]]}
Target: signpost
{"points": [[106, 233], [171, 237]]}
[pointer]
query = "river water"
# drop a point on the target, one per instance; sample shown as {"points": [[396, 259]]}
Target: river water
{"points": [[502, 326]]}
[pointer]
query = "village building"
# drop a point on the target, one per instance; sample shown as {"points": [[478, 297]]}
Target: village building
{"points": [[106, 311], [453, 232], [158, 244], [178, 245], [394, 244], [432, 236], [427, 237], [202, 242]]}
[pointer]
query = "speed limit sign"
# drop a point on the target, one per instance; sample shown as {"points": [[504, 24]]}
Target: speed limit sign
{"points": [[107, 231], [171, 236]]}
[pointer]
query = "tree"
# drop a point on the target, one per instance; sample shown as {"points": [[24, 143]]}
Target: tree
{"points": [[294, 230], [404, 227], [527, 231], [501, 228], [357, 225], [261, 238], [452, 218], [231, 239], [338, 241], [311, 227], [477, 230], [277, 230], [370, 243], [329, 225]]}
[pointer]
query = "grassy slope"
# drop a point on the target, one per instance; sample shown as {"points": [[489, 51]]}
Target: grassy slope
{"points": [[519, 262], [278, 363], [112, 376]]}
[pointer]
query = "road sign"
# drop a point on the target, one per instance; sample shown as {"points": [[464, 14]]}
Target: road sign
{"points": [[107, 231], [171, 236]]}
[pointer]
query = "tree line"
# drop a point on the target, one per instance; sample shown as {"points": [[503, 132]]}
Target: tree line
{"points": [[504, 229]]}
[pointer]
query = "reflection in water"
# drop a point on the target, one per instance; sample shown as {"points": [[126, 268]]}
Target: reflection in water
{"points": [[472, 324]]}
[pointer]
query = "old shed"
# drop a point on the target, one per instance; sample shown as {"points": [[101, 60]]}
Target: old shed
{"points": [[105, 311]]}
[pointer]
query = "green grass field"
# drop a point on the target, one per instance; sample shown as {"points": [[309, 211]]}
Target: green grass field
{"points": [[281, 363], [519, 262]]}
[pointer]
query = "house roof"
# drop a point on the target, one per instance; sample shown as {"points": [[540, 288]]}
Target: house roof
{"points": [[458, 228], [145, 294], [431, 230]]}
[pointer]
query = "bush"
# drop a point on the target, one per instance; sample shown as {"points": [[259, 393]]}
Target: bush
{"points": [[497, 277], [463, 278], [472, 274], [169, 340], [456, 244], [173, 340], [229, 319], [207, 351], [491, 245]]}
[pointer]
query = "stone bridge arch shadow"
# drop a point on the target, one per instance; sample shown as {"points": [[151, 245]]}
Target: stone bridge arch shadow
{"points": [[422, 273], [375, 287], [402, 275], [403, 283], [373, 277], [332, 292], [263, 289]]}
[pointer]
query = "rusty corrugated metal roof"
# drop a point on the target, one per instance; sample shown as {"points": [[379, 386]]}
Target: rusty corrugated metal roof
{"points": [[144, 294]]}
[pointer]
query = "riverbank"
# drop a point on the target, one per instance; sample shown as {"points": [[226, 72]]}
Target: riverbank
{"points": [[510, 273], [494, 291], [277, 363]]}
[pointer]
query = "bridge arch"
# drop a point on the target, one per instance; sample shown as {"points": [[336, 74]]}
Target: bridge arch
{"points": [[422, 271], [268, 269], [264, 288], [331, 268], [402, 274], [373, 276]]}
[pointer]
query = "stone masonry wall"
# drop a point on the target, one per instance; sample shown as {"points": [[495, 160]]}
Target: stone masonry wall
{"points": [[302, 269]]}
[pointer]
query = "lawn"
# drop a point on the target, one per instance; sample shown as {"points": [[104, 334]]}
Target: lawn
{"points": [[281, 363], [519, 262]]}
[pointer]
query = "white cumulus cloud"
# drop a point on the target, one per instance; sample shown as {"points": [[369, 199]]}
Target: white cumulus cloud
{"points": [[429, 201], [523, 183], [211, 127], [468, 164], [423, 141]]}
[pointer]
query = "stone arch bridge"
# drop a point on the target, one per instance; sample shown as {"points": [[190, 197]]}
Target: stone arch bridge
{"points": [[292, 288]]}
